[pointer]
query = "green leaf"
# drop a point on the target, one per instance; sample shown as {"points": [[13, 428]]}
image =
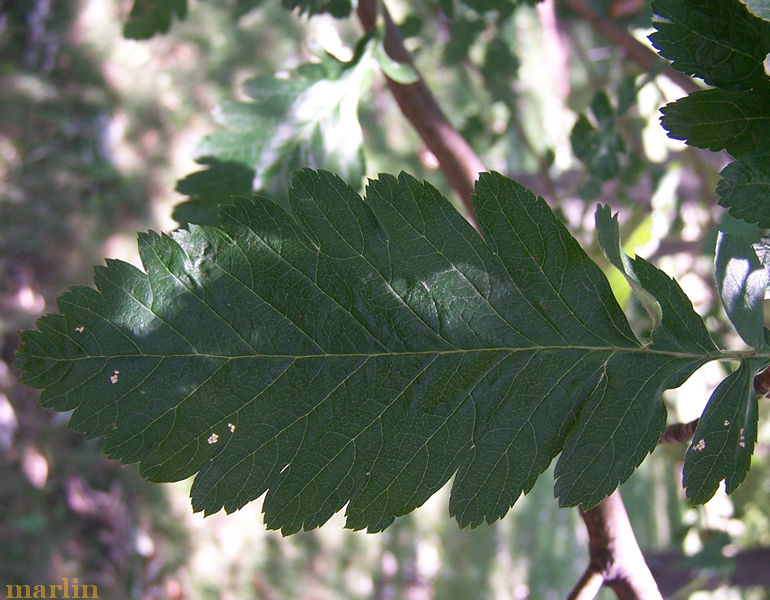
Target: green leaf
{"points": [[608, 234], [359, 353], [397, 71], [503, 7], [309, 119], [742, 280], [716, 40], [600, 149], [148, 17], [716, 119], [745, 187], [210, 188], [337, 8], [724, 440]]}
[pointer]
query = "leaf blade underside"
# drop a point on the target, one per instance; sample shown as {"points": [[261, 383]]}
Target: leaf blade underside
{"points": [[361, 352]]}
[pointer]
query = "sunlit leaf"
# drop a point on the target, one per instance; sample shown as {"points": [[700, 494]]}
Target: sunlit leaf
{"points": [[306, 120], [742, 280]]}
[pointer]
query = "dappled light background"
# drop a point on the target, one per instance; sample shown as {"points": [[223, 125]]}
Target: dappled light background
{"points": [[95, 131]]}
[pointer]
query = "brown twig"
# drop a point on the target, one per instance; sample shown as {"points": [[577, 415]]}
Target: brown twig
{"points": [[615, 559], [678, 432], [634, 50], [457, 159]]}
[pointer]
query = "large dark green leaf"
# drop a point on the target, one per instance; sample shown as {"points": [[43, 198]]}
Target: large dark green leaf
{"points": [[716, 119], [359, 353], [745, 187], [717, 40]]}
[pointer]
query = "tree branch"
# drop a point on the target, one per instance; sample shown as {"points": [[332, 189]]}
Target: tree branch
{"points": [[615, 559], [457, 159], [678, 432]]}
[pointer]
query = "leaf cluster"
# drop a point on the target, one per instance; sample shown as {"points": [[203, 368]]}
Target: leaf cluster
{"points": [[725, 44]]}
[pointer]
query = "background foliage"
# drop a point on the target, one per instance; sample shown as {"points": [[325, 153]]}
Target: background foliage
{"points": [[92, 126]]}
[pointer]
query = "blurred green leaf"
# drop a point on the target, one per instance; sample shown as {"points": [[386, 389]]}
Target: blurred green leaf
{"points": [[397, 71], [464, 31], [503, 7], [738, 121], [742, 280], [308, 119], [148, 17], [600, 149], [745, 187], [602, 109], [337, 8], [716, 40]]}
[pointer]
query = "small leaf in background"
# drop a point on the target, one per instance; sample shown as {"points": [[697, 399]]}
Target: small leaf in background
{"points": [[742, 281], [717, 119], [724, 439], [361, 353], [503, 7], [211, 188], [464, 31], [308, 119], [745, 188], [397, 71], [148, 17], [337, 8], [720, 42], [602, 147]]}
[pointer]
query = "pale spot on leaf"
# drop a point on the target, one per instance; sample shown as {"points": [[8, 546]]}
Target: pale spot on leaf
{"points": [[80, 328], [114, 377], [213, 438], [726, 423], [700, 446], [231, 427]]}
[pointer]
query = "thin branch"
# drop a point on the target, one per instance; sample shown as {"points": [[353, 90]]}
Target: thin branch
{"points": [[457, 159], [678, 432], [614, 555], [634, 50]]}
